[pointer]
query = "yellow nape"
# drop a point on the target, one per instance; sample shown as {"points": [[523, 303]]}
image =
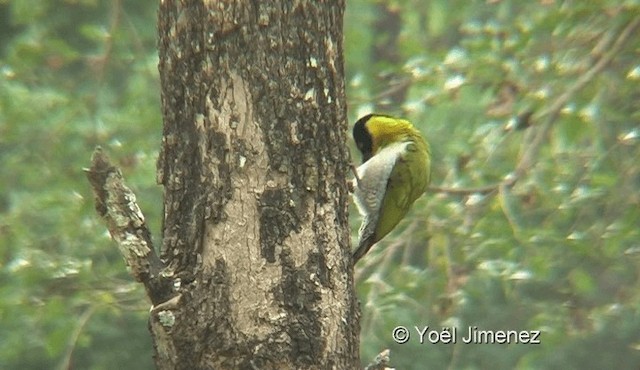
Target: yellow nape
{"points": [[386, 130]]}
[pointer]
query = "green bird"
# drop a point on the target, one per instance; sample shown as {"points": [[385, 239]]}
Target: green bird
{"points": [[395, 171]]}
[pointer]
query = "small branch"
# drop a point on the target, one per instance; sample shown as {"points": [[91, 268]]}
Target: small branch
{"points": [[116, 204], [465, 191], [65, 364], [99, 63], [392, 89], [381, 362], [508, 211]]}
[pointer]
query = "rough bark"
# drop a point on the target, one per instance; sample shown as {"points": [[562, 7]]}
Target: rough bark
{"points": [[116, 204], [254, 166]]}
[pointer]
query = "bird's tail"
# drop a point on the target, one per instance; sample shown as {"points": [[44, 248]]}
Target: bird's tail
{"points": [[366, 242]]}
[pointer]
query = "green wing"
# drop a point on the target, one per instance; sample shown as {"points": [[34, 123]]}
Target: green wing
{"points": [[408, 181]]}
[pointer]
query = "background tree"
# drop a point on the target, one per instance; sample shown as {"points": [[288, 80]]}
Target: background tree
{"points": [[557, 251]]}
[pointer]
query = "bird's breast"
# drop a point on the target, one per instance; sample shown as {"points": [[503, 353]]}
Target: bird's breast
{"points": [[373, 176]]}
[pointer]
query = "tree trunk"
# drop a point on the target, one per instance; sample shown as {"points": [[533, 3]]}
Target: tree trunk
{"points": [[254, 166]]}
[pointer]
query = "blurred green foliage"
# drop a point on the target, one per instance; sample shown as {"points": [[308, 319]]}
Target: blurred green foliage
{"points": [[558, 252], [73, 75]]}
